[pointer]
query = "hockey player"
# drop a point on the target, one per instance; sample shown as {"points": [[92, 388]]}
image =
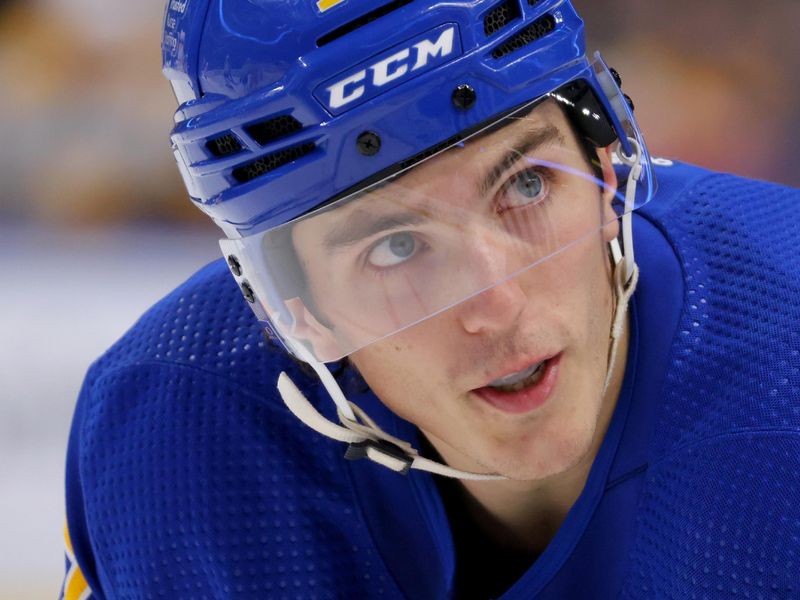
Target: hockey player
{"points": [[429, 206]]}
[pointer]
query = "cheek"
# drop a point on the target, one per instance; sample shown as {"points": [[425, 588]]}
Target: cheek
{"points": [[390, 369], [574, 288], [572, 275], [408, 371]]}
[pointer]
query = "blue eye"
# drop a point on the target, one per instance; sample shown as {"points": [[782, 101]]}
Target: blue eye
{"points": [[393, 250], [526, 188]]}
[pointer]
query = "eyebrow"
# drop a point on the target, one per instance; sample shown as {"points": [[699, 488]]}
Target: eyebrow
{"points": [[363, 224], [526, 142]]}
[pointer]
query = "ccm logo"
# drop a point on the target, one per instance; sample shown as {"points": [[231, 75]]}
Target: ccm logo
{"points": [[391, 68]]}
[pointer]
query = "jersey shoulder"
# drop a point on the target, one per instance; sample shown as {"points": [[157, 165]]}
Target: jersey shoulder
{"points": [[711, 197], [735, 358], [186, 472], [203, 324], [718, 510]]}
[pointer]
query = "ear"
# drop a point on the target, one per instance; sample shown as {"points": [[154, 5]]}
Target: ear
{"points": [[306, 327], [611, 230]]}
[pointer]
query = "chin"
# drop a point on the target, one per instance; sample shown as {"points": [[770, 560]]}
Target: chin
{"points": [[543, 454], [540, 469]]}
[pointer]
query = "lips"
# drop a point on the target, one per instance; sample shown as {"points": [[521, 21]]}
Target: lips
{"points": [[529, 397], [516, 381]]}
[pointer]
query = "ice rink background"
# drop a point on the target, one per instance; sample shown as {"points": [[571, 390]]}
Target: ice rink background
{"points": [[66, 296]]}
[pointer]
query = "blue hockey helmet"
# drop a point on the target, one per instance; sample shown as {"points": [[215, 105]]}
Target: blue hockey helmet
{"points": [[289, 106]]}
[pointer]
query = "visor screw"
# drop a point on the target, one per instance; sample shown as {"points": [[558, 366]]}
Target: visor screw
{"points": [[236, 267], [248, 292], [629, 101], [464, 96], [368, 143], [615, 74]]}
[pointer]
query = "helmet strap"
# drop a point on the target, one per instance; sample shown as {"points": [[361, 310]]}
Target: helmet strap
{"points": [[623, 286], [625, 274], [363, 436]]}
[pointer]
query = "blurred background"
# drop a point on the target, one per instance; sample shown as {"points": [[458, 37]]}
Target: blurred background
{"points": [[95, 227]]}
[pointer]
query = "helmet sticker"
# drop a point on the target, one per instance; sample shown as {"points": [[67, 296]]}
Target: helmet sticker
{"points": [[324, 5]]}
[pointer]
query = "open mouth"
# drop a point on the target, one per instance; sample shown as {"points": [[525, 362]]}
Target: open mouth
{"points": [[519, 380], [524, 390]]}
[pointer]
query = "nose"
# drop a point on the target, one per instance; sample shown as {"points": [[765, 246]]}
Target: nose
{"points": [[498, 307]]}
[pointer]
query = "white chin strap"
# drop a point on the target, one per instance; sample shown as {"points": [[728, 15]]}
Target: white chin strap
{"points": [[626, 271], [363, 436]]}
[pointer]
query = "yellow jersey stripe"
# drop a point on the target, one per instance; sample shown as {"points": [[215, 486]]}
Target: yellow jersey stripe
{"points": [[75, 585], [68, 544]]}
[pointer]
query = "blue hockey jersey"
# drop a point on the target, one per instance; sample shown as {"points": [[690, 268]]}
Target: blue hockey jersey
{"points": [[188, 478]]}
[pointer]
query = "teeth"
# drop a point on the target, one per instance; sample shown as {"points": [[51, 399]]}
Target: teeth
{"points": [[516, 381]]}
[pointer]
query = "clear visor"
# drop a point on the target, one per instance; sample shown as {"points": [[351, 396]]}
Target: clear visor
{"points": [[470, 217]]}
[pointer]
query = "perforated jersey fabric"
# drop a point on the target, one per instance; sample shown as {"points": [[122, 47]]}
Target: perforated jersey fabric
{"points": [[719, 511], [188, 478]]}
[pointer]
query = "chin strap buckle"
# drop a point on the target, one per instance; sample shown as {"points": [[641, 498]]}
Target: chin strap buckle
{"points": [[364, 438], [382, 452]]}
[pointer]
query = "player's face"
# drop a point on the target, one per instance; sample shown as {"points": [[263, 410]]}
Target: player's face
{"points": [[510, 379]]}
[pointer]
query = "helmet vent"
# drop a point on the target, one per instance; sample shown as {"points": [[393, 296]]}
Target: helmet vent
{"points": [[224, 145], [536, 30], [265, 164], [500, 16], [273, 129], [365, 19]]}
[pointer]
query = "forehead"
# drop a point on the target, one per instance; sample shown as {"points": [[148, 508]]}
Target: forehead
{"points": [[445, 186], [466, 164], [465, 159]]}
